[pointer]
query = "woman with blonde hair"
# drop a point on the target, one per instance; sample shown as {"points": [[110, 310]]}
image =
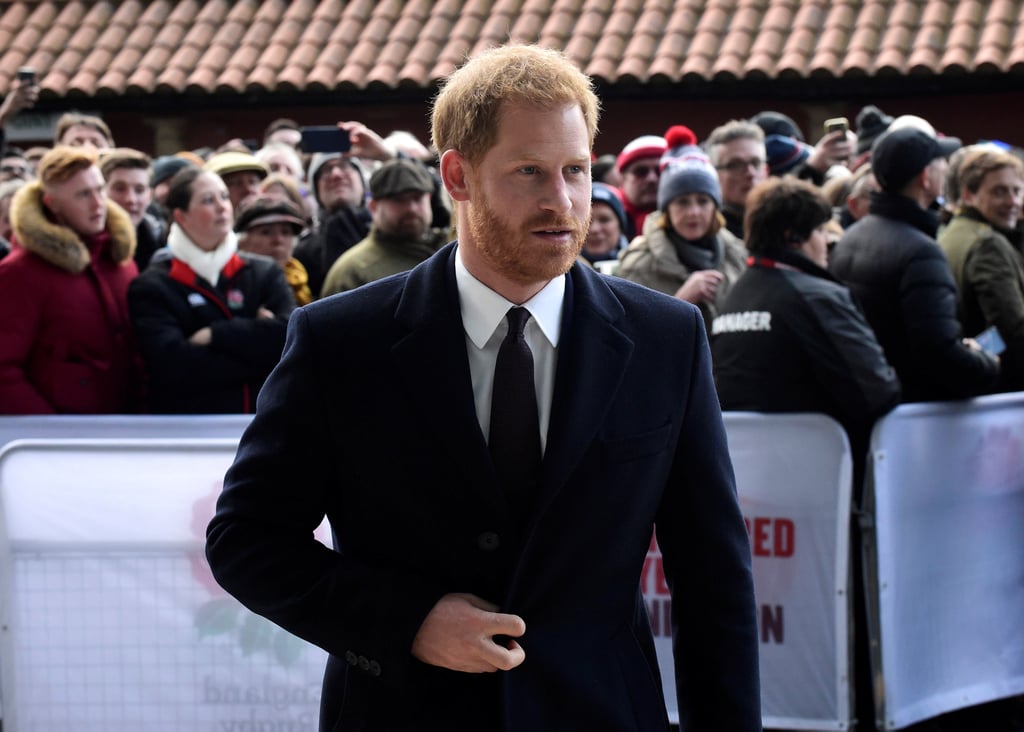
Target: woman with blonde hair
{"points": [[685, 249]]}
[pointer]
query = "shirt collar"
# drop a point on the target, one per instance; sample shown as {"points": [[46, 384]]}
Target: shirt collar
{"points": [[483, 308]]}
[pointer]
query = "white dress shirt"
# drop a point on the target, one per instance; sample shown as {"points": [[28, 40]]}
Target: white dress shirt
{"points": [[483, 317]]}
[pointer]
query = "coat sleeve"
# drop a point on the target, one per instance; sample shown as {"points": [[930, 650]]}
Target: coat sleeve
{"points": [[707, 560], [928, 300], [848, 362], [260, 543], [996, 274], [171, 360], [256, 343], [21, 303]]}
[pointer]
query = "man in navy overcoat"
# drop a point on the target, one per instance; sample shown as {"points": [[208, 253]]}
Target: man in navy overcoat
{"points": [[452, 600]]}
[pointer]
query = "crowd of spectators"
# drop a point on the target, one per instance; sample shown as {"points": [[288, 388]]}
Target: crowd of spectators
{"points": [[882, 264], [137, 285]]}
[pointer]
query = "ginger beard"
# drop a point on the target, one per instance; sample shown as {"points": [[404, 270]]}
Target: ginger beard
{"points": [[514, 250]]}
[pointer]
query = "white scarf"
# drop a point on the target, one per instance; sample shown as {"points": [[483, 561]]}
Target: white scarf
{"points": [[205, 264]]}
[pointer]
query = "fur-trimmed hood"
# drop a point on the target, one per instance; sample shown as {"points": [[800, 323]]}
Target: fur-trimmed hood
{"points": [[59, 245]]}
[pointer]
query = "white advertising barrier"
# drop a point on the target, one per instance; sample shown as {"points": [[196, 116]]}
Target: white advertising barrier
{"points": [[109, 616], [120, 426], [111, 619], [949, 513], [793, 473]]}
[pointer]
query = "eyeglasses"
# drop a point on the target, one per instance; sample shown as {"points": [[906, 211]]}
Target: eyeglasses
{"points": [[740, 166], [14, 169], [642, 171]]}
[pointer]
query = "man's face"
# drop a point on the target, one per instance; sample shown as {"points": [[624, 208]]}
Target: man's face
{"points": [[85, 136], [129, 189], [241, 185], [859, 203], [15, 167], [406, 215], [998, 198], [741, 166], [525, 207], [280, 162], [339, 184], [640, 182], [80, 202], [275, 240]]}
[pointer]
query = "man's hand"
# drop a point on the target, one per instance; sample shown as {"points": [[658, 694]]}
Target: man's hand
{"points": [[366, 143], [21, 96], [458, 634], [835, 148]]}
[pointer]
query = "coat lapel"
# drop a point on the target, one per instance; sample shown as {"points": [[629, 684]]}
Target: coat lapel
{"points": [[592, 360], [432, 361]]}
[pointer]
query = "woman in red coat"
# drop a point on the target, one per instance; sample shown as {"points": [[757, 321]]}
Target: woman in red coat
{"points": [[65, 338]]}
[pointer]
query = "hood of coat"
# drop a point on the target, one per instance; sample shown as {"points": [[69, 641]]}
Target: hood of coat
{"points": [[59, 245]]}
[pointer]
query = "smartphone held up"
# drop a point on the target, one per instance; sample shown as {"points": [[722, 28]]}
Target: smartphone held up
{"points": [[836, 124], [325, 139]]}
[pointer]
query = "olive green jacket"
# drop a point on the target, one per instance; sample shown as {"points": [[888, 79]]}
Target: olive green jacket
{"points": [[377, 256], [989, 274]]}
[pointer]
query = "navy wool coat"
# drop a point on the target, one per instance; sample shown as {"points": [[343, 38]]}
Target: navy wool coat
{"points": [[369, 419]]}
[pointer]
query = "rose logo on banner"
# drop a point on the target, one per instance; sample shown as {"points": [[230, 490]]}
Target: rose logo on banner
{"points": [[222, 615]]}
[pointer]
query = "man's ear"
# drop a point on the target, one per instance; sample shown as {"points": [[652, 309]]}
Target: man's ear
{"points": [[48, 201], [176, 214], [454, 174]]}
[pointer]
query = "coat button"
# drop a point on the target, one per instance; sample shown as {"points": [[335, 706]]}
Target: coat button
{"points": [[488, 541], [351, 659], [374, 668], [364, 663]]}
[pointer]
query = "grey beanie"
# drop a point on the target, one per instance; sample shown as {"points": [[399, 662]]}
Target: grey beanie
{"points": [[689, 171]]}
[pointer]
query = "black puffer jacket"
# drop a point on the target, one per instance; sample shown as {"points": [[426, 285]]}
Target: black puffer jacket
{"points": [[892, 264], [789, 338]]}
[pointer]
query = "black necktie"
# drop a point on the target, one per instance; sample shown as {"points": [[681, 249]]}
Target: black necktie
{"points": [[515, 427]]}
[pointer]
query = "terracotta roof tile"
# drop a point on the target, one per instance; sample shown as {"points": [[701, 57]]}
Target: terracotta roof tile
{"points": [[84, 48]]}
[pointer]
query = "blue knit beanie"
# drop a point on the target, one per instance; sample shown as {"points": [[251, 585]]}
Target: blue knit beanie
{"points": [[785, 153], [603, 193]]}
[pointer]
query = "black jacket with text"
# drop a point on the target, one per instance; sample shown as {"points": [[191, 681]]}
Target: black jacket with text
{"points": [[790, 338]]}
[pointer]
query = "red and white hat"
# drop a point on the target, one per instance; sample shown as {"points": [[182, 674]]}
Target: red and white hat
{"points": [[646, 146]]}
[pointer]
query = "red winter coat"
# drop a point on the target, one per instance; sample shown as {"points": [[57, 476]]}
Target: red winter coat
{"points": [[65, 337]]}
